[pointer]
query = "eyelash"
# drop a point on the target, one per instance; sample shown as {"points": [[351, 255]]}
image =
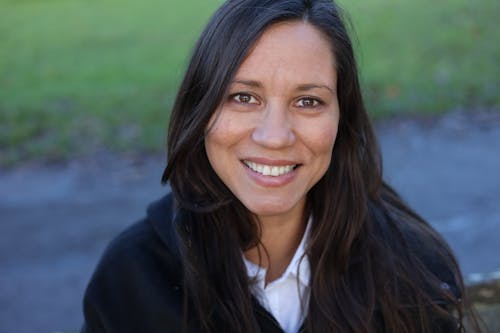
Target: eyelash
{"points": [[315, 102], [252, 100], [235, 98]]}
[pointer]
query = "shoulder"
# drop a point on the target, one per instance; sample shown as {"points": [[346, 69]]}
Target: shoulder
{"points": [[401, 225], [413, 243], [137, 281], [416, 267], [146, 246]]}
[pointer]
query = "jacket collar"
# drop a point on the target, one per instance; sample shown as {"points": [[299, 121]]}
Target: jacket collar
{"points": [[163, 219]]}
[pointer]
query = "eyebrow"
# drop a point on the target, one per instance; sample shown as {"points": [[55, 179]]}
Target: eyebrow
{"points": [[250, 83], [309, 86], [300, 87]]}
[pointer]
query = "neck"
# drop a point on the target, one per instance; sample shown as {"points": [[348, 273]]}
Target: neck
{"points": [[281, 235]]}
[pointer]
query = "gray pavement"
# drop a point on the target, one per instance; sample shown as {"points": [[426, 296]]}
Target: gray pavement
{"points": [[56, 220], [448, 169]]}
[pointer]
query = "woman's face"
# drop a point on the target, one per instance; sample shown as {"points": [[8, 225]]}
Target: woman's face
{"points": [[272, 137]]}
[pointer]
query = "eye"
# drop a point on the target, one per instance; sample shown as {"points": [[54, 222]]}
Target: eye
{"points": [[242, 98], [308, 102]]}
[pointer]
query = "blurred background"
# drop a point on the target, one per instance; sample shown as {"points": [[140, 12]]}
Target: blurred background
{"points": [[85, 92]]}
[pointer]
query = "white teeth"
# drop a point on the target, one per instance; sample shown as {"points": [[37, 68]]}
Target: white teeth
{"points": [[269, 170]]}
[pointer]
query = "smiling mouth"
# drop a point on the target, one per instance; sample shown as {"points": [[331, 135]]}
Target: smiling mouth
{"points": [[270, 170]]}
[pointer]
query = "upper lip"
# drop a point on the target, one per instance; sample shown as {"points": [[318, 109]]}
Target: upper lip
{"points": [[271, 162]]}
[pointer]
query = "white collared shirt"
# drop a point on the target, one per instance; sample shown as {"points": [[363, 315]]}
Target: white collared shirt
{"points": [[282, 297]]}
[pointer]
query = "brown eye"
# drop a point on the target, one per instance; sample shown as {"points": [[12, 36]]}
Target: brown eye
{"points": [[245, 99], [307, 102]]}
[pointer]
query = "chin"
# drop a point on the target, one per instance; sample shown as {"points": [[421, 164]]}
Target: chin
{"points": [[267, 209]]}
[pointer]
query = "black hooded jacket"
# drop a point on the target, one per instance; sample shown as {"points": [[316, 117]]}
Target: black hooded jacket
{"points": [[137, 285]]}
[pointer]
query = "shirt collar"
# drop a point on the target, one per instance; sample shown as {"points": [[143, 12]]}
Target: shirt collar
{"points": [[296, 264]]}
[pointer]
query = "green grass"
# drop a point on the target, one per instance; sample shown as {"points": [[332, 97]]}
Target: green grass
{"points": [[78, 76], [427, 56]]}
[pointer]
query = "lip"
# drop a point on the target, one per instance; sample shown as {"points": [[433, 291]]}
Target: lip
{"points": [[272, 162], [271, 181]]}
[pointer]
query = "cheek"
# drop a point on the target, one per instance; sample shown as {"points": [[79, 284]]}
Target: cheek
{"points": [[327, 144], [321, 143], [223, 129], [213, 140], [214, 145], [220, 140], [218, 132], [322, 138]]}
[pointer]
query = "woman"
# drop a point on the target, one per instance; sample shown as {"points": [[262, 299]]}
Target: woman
{"points": [[279, 219]]}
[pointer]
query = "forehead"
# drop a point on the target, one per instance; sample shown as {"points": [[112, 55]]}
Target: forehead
{"points": [[294, 47]]}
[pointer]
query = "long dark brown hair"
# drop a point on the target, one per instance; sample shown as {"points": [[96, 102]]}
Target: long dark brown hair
{"points": [[376, 266]]}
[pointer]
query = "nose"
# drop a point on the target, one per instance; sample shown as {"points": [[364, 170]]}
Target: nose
{"points": [[274, 129]]}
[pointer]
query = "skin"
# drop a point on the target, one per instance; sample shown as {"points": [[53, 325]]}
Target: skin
{"points": [[281, 110]]}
